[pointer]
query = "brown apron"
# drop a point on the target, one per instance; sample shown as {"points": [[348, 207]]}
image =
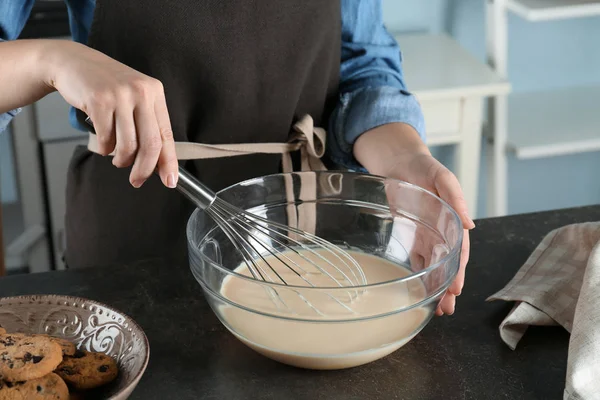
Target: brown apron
{"points": [[234, 72]]}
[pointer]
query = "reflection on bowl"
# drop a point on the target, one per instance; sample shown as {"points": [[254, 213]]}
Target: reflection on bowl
{"points": [[90, 325], [406, 240]]}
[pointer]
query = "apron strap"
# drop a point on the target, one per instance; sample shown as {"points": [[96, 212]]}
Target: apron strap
{"points": [[307, 138]]}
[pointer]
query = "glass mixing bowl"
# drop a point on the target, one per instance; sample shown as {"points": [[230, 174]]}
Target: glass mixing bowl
{"points": [[406, 239]]}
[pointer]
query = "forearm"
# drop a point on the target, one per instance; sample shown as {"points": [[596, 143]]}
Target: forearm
{"points": [[24, 69], [373, 95], [379, 149]]}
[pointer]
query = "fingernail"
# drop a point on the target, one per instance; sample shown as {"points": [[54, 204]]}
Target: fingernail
{"points": [[137, 184], [171, 181], [471, 223]]}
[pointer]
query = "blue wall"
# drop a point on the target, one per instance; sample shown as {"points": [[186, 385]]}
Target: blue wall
{"points": [[542, 56]]}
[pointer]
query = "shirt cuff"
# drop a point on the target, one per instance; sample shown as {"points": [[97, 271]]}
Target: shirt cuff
{"points": [[6, 118], [365, 109]]}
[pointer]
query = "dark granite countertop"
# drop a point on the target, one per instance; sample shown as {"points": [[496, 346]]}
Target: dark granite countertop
{"points": [[457, 357]]}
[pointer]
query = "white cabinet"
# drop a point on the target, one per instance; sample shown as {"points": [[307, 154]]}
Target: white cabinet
{"points": [[547, 10], [43, 142], [537, 124]]}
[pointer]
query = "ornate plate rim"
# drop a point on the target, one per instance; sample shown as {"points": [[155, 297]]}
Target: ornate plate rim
{"points": [[37, 297]]}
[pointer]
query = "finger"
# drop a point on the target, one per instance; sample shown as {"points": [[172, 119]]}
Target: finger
{"points": [[167, 160], [150, 144], [438, 311], [450, 191], [458, 284], [127, 142], [104, 126], [448, 303]]}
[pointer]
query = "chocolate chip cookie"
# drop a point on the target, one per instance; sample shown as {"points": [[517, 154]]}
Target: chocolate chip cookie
{"points": [[23, 358], [86, 370], [2, 330], [68, 348], [48, 387]]}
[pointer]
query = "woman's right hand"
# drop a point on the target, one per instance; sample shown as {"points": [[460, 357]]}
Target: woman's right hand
{"points": [[128, 109]]}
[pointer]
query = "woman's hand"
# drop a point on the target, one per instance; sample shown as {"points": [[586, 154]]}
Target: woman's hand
{"points": [[128, 108], [396, 151]]}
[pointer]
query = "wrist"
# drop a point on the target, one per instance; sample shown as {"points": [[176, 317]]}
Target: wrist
{"points": [[39, 53], [52, 55], [383, 148]]}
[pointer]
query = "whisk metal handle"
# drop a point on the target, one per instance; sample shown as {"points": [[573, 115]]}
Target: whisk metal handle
{"points": [[193, 189]]}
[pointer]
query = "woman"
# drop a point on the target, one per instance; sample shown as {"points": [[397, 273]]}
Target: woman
{"points": [[215, 72]]}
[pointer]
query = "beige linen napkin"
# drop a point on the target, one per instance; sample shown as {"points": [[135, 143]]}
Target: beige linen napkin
{"points": [[560, 285]]}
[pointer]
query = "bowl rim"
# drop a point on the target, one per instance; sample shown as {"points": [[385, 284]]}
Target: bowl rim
{"points": [[135, 380], [457, 248]]}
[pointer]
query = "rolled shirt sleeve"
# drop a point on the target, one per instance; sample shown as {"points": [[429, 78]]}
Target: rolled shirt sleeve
{"points": [[372, 87], [6, 118]]}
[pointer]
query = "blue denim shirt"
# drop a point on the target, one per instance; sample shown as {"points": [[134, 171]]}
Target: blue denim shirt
{"points": [[372, 87]]}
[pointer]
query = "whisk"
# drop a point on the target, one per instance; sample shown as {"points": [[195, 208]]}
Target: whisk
{"points": [[253, 236], [251, 233]]}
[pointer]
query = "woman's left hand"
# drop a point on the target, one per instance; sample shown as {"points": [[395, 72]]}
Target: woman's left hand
{"points": [[396, 151]]}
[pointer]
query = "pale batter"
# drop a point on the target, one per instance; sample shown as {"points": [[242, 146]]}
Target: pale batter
{"points": [[326, 344]]}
